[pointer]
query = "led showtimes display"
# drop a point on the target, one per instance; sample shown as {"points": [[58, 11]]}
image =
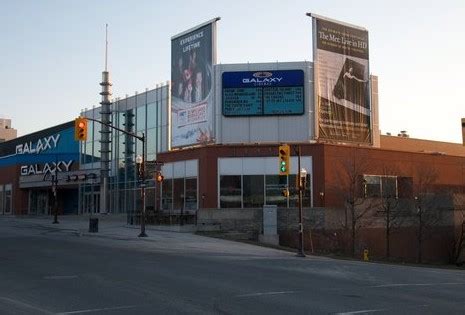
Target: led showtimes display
{"points": [[259, 93]]}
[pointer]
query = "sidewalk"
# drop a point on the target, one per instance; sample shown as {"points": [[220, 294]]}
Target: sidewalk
{"points": [[110, 224], [161, 238]]}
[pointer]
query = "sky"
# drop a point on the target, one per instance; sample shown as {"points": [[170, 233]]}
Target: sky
{"points": [[52, 52]]}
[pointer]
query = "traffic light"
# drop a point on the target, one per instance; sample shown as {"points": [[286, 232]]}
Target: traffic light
{"points": [[80, 129], [284, 159], [285, 192], [159, 177]]}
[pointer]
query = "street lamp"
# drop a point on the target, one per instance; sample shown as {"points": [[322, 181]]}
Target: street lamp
{"points": [[140, 161], [302, 177], [55, 199], [181, 221], [420, 226]]}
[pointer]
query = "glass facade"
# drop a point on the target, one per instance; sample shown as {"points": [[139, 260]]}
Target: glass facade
{"points": [[138, 114], [252, 182], [254, 191], [180, 193]]}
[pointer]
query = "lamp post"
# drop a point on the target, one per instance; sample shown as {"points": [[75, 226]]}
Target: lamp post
{"points": [[181, 222], [54, 178], [420, 227], [301, 176], [140, 161]]}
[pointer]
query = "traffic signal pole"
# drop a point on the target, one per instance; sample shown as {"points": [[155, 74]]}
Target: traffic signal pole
{"points": [[142, 186], [144, 157], [300, 252]]}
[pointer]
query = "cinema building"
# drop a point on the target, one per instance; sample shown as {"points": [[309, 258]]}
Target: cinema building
{"points": [[217, 129], [26, 167]]}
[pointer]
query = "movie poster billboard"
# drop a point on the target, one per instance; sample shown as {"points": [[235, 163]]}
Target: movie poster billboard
{"points": [[342, 87], [192, 59]]}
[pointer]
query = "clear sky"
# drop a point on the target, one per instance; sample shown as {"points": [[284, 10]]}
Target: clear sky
{"points": [[52, 52]]}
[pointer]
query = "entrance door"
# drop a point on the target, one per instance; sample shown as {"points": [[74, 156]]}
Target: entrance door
{"points": [[38, 202], [92, 202], [8, 199]]}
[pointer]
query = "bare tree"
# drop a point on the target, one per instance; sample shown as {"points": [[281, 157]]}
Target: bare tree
{"points": [[458, 243], [428, 206], [389, 204], [350, 186]]}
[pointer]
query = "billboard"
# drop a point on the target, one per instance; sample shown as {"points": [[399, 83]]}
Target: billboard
{"points": [[192, 58], [342, 87], [260, 93]]}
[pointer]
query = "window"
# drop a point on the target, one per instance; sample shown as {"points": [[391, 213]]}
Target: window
{"points": [[178, 193], [140, 119], [380, 186], [151, 139], [191, 193], [167, 194], [152, 115], [274, 187], [253, 191], [230, 191], [372, 186], [389, 187]]}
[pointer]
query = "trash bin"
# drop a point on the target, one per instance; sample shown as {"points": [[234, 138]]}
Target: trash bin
{"points": [[93, 225]]}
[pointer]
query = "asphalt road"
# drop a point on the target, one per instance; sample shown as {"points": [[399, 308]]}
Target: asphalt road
{"points": [[44, 271]]}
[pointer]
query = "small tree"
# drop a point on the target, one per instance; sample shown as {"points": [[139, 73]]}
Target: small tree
{"points": [[427, 203], [458, 244], [350, 186], [391, 212]]}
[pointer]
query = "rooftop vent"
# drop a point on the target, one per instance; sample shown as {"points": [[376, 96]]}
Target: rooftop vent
{"points": [[403, 134]]}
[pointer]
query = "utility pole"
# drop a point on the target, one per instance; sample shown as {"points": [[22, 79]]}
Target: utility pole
{"points": [[142, 185], [300, 252], [55, 197]]}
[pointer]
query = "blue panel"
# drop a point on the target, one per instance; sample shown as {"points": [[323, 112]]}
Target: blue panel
{"points": [[263, 78], [45, 150]]}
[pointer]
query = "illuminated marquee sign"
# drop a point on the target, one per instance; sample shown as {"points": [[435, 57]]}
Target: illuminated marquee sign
{"points": [[260, 93]]}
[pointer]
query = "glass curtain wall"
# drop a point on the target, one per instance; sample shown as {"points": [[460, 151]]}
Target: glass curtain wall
{"points": [[254, 191], [137, 114], [179, 193]]}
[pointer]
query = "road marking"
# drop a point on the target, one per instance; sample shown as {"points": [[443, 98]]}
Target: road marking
{"points": [[25, 305], [362, 311], [100, 309], [415, 284], [380, 310], [265, 293], [59, 277]]}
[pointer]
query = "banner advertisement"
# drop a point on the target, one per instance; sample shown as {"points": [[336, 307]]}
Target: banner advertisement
{"points": [[192, 59], [342, 81]]}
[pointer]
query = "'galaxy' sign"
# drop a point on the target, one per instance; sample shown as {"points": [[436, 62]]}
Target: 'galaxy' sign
{"points": [[259, 93], [43, 144], [37, 169]]}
